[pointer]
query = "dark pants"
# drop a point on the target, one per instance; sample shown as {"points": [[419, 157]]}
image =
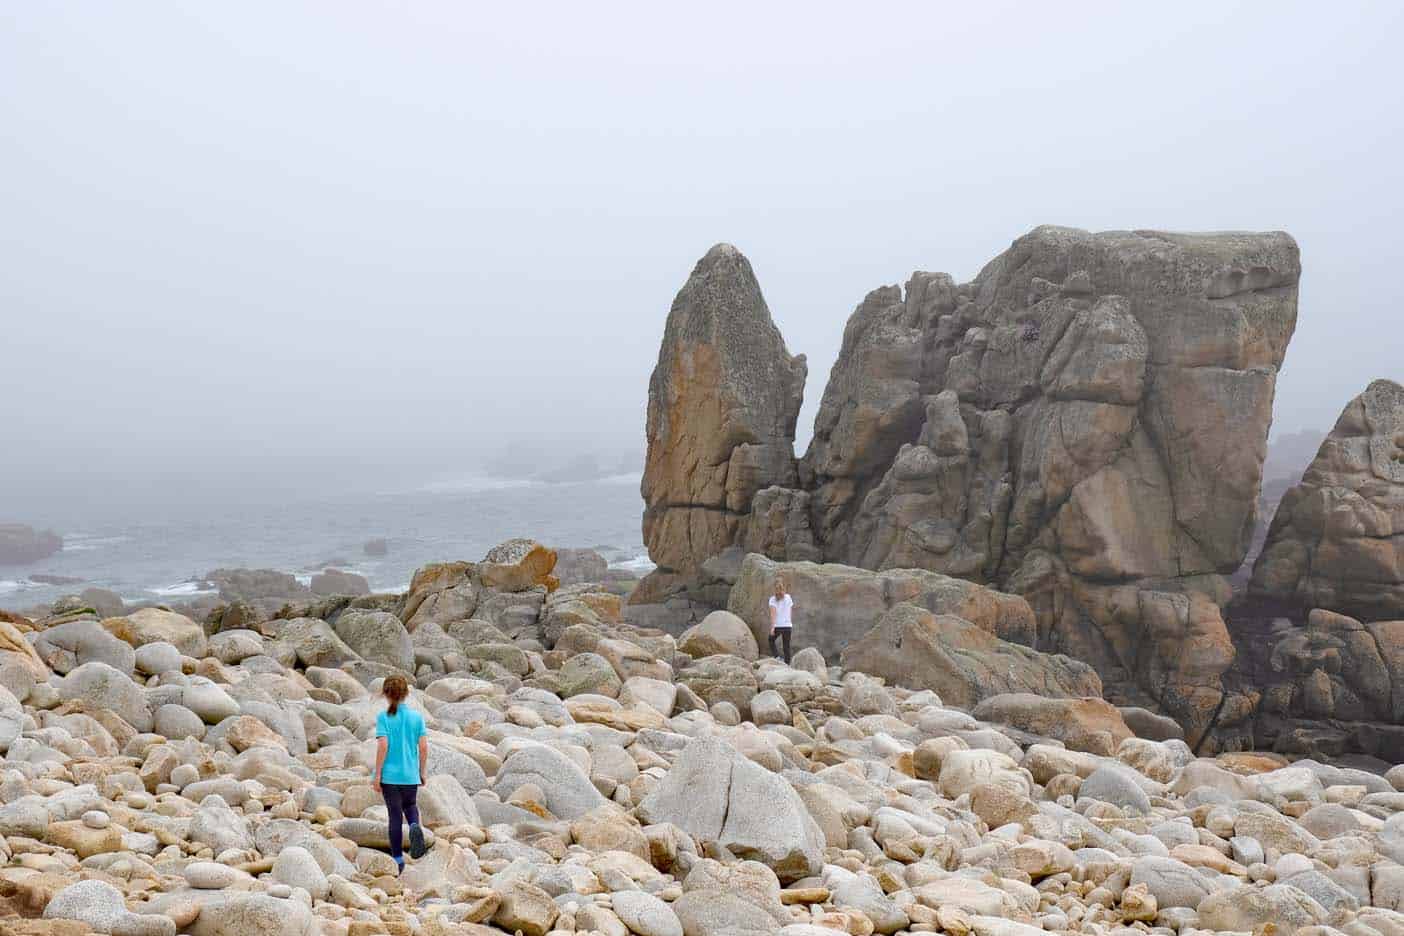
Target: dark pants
{"points": [[402, 801], [784, 634]]}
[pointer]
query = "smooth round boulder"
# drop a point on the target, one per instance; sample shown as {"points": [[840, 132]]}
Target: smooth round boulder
{"points": [[157, 657], [176, 722]]}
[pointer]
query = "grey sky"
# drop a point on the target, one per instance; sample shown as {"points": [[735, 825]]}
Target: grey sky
{"points": [[238, 238]]}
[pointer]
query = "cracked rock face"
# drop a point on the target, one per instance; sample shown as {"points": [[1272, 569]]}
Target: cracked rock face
{"points": [[1084, 424], [1337, 540], [722, 405]]}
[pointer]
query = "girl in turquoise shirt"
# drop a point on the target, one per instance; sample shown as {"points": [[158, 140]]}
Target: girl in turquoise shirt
{"points": [[401, 756]]}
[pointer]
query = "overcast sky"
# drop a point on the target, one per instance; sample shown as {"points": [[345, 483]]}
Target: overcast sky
{"points": [[249, 238]]}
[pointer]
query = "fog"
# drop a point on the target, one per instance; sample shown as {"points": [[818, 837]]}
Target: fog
{"points": [[291, 247]]}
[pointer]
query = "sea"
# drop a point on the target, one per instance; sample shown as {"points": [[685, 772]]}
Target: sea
{"points": [[147, 556]]}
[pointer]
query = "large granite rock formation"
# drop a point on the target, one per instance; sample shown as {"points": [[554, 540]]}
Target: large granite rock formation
{"points": [[1337, 539], [1084, 424], [722, 405]]}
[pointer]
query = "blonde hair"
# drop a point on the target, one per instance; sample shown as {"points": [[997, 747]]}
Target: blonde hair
{"points": [[396, 689], [779, 585]]}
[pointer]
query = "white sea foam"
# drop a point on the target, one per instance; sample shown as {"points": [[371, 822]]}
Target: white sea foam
{"points": [[183, 590], [10, 586], [87, 542], [473, 484], [640, 563]]}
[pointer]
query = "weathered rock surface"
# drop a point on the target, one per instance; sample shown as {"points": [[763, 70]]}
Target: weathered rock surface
{"points": [[715, 794], [1337, 539], [1084, 424], [722, 406], [965, 663]]}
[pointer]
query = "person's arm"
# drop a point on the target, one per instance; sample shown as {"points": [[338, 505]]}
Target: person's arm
{"points": [[382, 745], [774, 610], [423, 759]]}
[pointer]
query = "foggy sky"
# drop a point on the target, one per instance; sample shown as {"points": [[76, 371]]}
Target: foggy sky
{"points": [[353, 241]]}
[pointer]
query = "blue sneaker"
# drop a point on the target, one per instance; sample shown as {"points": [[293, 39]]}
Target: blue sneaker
{"points": [[400, 865], [417, 848]]}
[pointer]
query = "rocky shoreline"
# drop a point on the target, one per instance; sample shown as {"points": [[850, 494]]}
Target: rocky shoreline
{"points": [[163, 775]]}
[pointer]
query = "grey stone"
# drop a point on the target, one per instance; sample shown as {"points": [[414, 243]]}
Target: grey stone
{"points": [[714, 793], [568, 790], [101, 906], [100, 686]]}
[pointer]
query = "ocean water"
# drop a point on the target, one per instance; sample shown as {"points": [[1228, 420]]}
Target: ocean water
{"points": [[146, 555]]}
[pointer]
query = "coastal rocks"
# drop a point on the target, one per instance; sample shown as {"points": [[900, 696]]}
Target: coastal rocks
{"points": [[337, 582], [714, 793], [722, 405], [914, 648], [21, 544], [1337, 539]]}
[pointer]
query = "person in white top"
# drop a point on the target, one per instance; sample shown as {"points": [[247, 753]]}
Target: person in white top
{"points": [[782, 608]]}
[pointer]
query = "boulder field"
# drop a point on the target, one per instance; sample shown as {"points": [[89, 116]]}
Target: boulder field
{"points": [[163, 775]]}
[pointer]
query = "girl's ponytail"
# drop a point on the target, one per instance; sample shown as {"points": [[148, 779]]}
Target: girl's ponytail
{"points": [[396, 689]]}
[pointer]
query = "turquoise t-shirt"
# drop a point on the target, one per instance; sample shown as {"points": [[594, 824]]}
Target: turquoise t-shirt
{"points": [[403, 729]]}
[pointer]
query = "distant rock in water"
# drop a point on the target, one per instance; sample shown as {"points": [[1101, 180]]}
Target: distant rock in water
{"points": [[582, 566], [1337, 540], [337, 582], [43, 579], [250, 584], [21, 544], [376, 547]]}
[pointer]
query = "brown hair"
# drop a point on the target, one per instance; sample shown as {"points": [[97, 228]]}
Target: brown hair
{"points": [[395, 689]]}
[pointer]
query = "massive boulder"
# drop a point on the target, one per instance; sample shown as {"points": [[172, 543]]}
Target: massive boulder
{"points": [[715, 794], [1084, 424], [1337, 540], [722, 406], [962, 662]]}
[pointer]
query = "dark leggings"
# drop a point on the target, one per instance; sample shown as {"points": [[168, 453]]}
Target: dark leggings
{"points": [[784, 634], [401, 799]]}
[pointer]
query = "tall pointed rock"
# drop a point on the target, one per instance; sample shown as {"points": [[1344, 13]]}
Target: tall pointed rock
{"points": [[1337, 540], [722, 406]]}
